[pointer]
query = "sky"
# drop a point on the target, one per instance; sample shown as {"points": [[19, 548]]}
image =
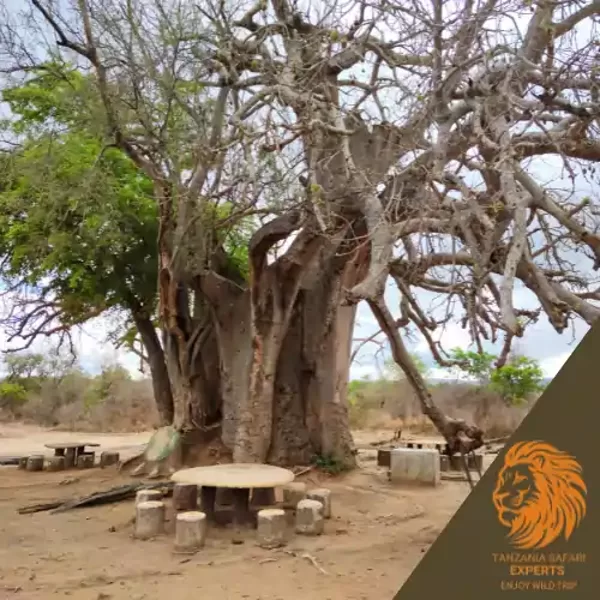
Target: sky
{"points": [[540, 342]]}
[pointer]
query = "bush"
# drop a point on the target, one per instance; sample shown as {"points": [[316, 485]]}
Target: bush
{"points": [[51, 393], [516, 381], [497, 400], [12, 396]]}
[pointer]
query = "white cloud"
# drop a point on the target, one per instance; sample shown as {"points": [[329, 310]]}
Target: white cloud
{"points": [[552, 365]]}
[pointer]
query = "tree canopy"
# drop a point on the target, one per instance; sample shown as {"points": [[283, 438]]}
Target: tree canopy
{"points": [[78, 220]]}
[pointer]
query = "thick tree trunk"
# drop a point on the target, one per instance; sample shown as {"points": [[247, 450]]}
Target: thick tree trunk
{"points": [[297, 407], [161, 384], [310, 412]]}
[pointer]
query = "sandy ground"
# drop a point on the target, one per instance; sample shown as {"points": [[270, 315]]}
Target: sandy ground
{"points": [[17, 439], [376, 537]]}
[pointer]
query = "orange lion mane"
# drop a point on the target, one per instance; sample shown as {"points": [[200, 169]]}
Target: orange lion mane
{"points": [[556, 504]]}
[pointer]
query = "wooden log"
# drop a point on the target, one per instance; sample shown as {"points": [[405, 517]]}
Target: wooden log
{"points": [[108, 458], [185, 497], [190, 531], [35, 463], [149, 520]]}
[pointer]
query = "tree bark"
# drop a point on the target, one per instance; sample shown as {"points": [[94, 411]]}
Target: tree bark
{"points": [[161, 384], [310, 412], [461, 436]]}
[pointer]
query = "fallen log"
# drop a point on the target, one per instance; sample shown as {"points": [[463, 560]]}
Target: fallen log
{"points": [[116, 494], [7, 461]]}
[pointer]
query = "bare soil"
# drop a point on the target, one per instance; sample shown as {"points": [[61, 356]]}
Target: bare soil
{"points": [[376, 537]]}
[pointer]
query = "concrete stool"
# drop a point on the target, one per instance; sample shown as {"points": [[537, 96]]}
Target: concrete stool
{"points": [[309, 517], [293, 493], [148, 496], [271, 529], [190, 531], [322, 495], [35, 463], [108, 458], [55, 463], [185, 497], [149, 520], [85, 461], [408, 465]]}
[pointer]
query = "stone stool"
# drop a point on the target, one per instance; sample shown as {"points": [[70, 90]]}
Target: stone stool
{"points": [[322, 495], [293, 493], [35, 463], [149, 519], [190, 531], [108, 458], [148, 496], [55, 463], [309, 517], [85, 461], [271, 529]]}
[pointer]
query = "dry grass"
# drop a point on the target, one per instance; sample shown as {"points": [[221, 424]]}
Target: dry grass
{"points": [[113, 402], [110, 402], [393, 405]]}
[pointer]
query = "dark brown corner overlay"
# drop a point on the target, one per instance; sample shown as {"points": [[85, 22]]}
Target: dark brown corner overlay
{"points": [[532, 523]]}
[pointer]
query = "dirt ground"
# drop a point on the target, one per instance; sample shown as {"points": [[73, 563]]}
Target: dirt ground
{"points": [[376, 537]]}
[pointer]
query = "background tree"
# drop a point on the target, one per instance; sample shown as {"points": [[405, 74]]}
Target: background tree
{"points": [[410, 133], [516, 379], [78, 223]]}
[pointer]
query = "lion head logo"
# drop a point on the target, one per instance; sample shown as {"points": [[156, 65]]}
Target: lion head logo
{"points": [[539, 494]]}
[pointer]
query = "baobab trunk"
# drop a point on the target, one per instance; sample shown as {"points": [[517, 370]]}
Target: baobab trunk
{"points": [[310, 411], [300, 411]]}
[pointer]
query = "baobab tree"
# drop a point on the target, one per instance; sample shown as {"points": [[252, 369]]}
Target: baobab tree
{"points": [[361, 143]]}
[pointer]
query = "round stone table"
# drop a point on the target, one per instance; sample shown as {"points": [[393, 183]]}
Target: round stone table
{"points": [[240, 478], [70, 450]]}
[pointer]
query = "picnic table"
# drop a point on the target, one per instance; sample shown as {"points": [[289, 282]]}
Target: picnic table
{"points": [[239, 478], [70, 450]]}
